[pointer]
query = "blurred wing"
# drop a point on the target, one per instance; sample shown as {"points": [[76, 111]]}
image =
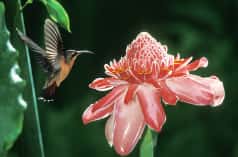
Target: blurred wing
{"points": [[39, 53], [53, 42]]}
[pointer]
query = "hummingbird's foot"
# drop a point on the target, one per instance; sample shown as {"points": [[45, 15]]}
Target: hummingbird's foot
{"points": [[45, 100]]}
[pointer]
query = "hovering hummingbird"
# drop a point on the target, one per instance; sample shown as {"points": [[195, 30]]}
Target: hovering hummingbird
{"points": [[54, 61]]}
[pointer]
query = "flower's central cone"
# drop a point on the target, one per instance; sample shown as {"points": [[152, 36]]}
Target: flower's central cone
{"points": [[146, 50], [145, 59]]}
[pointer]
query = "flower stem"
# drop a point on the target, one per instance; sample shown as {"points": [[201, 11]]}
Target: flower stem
{"points": [[31, 81], [146, 149]]}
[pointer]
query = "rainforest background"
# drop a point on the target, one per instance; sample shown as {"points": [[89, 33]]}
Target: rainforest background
{"points": [[189, 27]]}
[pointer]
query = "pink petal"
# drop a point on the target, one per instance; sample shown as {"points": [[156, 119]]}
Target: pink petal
{"points": [[183, 64], [102, 108], [109, 130], [155, 70], [168, 96], [153, 111], [197, 90], [202, 62], [128, 126], [130, 93], [105, 84]]}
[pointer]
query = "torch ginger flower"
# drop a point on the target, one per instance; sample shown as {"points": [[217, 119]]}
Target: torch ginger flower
{"points": [[138, 82]]}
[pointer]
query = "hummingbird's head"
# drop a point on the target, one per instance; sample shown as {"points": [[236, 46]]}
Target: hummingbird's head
{"points": [[73, 54]]}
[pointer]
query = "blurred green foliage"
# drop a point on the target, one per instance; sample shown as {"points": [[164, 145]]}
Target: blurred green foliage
{"points": [[12, 105], [57, 12], [192, 28]]}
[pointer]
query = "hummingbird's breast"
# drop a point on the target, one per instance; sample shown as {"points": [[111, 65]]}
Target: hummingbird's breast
{"points": [[64, 72]]}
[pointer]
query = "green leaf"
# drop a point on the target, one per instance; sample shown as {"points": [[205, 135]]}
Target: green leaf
{"points": [[57, 13], [146, 149], [26, 3], [12, 105]]}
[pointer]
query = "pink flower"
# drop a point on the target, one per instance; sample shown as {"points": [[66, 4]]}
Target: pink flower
{"points": [[138, 82]]}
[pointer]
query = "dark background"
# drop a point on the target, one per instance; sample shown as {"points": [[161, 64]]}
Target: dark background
{"points": [[191, 27]]}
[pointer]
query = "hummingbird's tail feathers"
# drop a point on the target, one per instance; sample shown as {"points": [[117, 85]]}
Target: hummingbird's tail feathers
{"points": [[34, 47], [48, 93]]}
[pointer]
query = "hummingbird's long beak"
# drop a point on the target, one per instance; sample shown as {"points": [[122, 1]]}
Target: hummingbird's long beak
{"points": [[80, 51], [84, 51]]}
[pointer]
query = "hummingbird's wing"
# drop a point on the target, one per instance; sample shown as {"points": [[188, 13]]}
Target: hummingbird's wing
{"points": [[40, 54], [53, 43]]}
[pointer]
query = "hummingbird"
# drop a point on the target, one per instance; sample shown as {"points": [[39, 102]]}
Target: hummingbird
{"points": [[54, 60]]}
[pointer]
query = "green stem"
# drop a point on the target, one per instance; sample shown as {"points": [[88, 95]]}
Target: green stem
{"points": [[155, 143], [35, 106], [147, 147]]}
